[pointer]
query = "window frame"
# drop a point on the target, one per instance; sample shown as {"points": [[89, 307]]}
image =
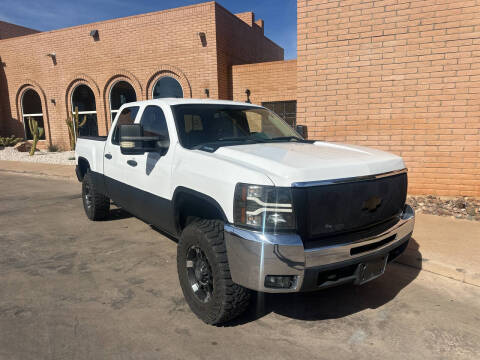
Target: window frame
{"points": [[164, 117], [114, 112], [89, 112], [163, 77], [114, 128], [33, 115]]}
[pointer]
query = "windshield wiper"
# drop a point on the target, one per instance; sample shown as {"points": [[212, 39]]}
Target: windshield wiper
{"points": [[212, 146], [288, 138], [240, 138]]}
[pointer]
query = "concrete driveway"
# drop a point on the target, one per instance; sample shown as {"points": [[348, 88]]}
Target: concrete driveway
{"points": [[75, 289]]}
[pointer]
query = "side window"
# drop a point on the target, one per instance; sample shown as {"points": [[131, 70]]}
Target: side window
{"points": [[126, 117], [154, 123]]}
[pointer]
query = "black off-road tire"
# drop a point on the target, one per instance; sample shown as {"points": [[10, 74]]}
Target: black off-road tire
{"points": [[96, 205], [228, 300]]}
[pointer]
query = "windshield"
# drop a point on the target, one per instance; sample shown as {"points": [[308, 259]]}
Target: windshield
{"points": [[221, 125]]}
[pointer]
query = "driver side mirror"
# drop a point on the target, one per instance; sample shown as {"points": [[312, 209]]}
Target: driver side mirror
{"points": [[132, 141]]}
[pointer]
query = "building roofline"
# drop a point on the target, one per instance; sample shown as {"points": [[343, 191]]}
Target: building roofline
{"points": [[148, 14], [244, 23], [152, 13], [20, 26], [266, 63]]}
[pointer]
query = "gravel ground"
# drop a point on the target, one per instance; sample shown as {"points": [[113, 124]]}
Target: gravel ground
{"points": [[9, 153], [460, 207]]}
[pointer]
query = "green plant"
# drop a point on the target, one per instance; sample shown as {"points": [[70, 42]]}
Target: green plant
{"points": [[37, 133], [74, 126], [9, 141], [53, 148]]}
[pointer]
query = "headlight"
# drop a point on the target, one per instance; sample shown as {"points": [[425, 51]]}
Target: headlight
{"points": [[263, 207]]}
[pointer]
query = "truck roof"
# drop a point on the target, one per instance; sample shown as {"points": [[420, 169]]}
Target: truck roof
{"points": [[178, 101]]}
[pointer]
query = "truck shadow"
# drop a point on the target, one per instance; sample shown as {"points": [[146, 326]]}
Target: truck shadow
{"points": [[337, 302], [117, 213]]}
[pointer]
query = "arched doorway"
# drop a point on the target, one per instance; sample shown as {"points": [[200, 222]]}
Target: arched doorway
{"points": [[84, 99], [32, 108], [120, 93]]}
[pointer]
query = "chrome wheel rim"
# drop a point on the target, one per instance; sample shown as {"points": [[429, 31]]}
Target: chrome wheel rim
{"points": [[199, 273], [87, 196]]}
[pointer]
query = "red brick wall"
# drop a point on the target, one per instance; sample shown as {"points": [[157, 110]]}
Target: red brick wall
{"points": [[240, 40], [268, 81], [8, 30], [402, 76]]}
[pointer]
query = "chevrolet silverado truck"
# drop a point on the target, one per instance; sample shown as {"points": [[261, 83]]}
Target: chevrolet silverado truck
{"points": [[254, 206]]}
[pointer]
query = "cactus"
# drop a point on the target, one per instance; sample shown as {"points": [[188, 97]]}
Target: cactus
{"points": [[37, 133], [73, 131]]}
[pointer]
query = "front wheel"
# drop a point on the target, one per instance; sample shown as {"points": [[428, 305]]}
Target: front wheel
{"points": [[204, 274]]}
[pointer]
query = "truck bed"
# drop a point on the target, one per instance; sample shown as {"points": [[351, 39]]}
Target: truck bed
{"points": [[91, 149]]}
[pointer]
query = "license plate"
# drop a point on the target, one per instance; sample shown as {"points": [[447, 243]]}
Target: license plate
{"points": [[372, 269]]}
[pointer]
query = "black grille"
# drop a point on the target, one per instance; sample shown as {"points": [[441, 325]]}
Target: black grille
{"points": [[334, 209]]}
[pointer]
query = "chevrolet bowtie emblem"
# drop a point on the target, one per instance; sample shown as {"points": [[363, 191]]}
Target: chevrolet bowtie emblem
{"points": [[372, 204]]}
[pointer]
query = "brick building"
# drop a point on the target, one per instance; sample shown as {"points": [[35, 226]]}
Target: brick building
{"points": [[399, 75], [187, 51]]}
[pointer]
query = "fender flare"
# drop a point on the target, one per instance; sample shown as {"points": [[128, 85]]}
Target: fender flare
{"points": [[181, 190], [80, 169]]}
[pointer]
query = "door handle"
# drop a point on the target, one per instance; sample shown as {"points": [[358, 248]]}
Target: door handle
{"points": [[108, 156], [132, 162]]}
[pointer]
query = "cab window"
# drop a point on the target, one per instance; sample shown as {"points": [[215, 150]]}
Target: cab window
{"points": [[154, 123], [126, 117]]}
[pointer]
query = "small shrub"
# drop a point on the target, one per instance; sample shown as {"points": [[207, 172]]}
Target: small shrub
{"points": [[9, 141], [53, 148]]}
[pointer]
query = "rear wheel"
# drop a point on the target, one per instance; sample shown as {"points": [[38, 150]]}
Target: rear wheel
{"points": [[204, 273], [96, 205]]}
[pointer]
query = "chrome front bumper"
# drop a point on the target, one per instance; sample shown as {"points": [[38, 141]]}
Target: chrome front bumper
{"points": [[254, 255]]}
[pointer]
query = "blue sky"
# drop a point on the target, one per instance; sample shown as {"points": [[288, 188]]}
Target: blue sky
{"points": [[280, 15]]}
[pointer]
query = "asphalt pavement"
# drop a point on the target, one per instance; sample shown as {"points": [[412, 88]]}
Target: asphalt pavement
{"points": [[75, 289]]}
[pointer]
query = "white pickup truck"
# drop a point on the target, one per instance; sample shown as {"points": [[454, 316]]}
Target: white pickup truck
{"points": [[254, 205]]}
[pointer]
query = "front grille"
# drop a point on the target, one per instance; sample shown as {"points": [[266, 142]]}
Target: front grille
{"points": [[330, 210]]}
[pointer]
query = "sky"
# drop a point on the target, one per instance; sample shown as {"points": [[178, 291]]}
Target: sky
{"points": [[280, 15]]}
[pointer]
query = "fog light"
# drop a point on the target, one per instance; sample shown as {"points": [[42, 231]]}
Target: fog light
{"points": [[280, 282]]}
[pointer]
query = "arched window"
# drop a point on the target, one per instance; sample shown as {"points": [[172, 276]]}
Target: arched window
{"points": [[121, 92], [84, 99], [32, 108], [167, 86]]}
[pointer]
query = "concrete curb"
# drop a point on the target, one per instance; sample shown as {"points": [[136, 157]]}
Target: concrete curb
{"points": [[459, 274], [65, 172], [38, 174], [445, 246]]}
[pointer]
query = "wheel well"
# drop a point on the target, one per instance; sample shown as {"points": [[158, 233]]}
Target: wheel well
{"points": [[83, 166], [190, 205]]}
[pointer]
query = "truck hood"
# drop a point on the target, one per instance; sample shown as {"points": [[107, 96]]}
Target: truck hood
{"points": [[287, 163]]}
